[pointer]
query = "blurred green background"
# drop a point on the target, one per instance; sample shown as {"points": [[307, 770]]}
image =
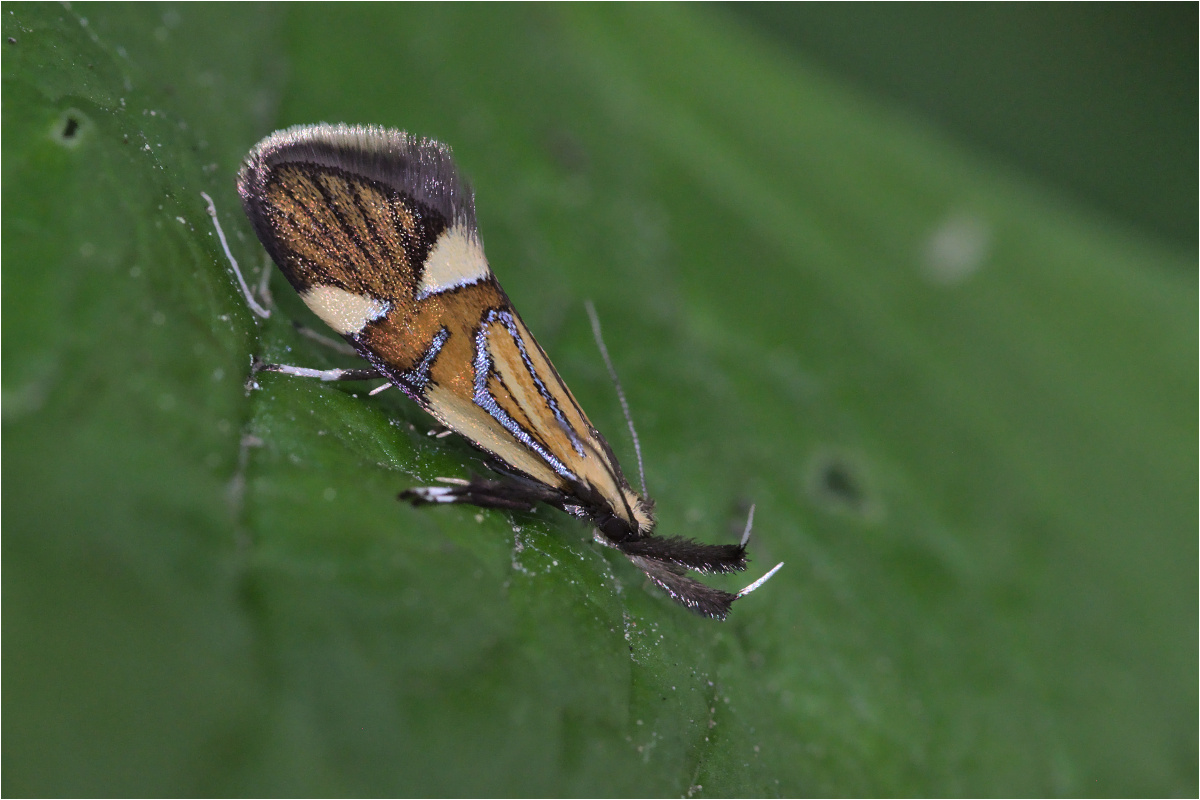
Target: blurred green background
{"points": [[1097, 99], [919, 282]]}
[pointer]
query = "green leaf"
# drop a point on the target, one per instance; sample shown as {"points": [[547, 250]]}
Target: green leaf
{"points": [[963, 407]]}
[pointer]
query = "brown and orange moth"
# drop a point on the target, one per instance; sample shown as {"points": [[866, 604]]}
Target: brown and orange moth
{"points": [[376, 230]]}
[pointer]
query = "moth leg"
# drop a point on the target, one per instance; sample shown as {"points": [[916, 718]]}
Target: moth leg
{"points": [[249, 295], [264, 281], [514, 493], [363, 374]]}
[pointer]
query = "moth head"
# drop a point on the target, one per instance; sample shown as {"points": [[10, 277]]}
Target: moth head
{"points": [[616, 525]]}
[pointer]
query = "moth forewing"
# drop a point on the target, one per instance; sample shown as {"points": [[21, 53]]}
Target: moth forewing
{"points": [[376, 231]]}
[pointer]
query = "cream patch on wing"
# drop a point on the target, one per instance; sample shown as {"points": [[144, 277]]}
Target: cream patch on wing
{"points": [[456, 259], [345, 312]]}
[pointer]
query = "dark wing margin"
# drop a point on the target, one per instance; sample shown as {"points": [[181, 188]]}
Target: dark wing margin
{"points": [[420, 168]]}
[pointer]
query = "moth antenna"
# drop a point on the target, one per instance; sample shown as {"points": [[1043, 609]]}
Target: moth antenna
{"points": [[612, 373], [250, 301], [749, 525], [760, 581]]}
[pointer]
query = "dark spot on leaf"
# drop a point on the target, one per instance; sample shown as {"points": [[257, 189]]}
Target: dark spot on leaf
{"points": [[838, 482], [70, 128]]}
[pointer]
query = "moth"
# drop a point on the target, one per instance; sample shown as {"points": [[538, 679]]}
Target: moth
{"points": [[376, 230]]}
